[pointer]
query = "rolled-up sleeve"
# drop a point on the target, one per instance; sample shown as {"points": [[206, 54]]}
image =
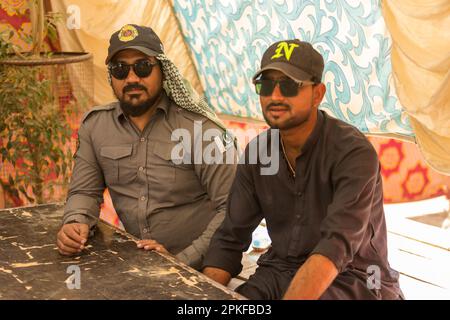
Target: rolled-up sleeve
{"points": [[355, 180], [235, 234], [87, 184]]}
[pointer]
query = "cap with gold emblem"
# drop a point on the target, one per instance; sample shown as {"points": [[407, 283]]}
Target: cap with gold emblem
{"points": [[132, 36]]}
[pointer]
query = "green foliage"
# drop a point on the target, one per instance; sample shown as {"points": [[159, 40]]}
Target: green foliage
{"points": [[6, 47], [51, 20], [33, 130]]}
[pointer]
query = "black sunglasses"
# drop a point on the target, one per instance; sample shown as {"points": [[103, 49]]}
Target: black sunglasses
{"points": [[288, 87], [142, 68]]}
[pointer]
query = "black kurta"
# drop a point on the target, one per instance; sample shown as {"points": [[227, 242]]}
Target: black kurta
{"points": [[333, 207]]}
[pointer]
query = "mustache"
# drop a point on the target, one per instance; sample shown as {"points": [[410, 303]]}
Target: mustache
{"points": [[134, 86], [276, 104]]}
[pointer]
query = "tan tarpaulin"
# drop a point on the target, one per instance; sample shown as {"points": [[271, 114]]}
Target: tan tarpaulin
{"points": [[420, 31], [101, 18]]}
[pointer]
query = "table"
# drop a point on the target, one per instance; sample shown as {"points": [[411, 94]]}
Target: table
{"points": [[110, 268]]}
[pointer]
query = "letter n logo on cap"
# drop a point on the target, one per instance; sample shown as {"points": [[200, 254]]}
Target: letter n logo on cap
{"points": [[127, 33], [284, 49]]}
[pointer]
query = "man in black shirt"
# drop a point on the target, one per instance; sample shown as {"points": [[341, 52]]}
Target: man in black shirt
{"points": [[323, 206]]}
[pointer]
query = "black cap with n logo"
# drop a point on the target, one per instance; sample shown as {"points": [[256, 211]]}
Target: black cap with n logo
{"points": [[297, 59]]}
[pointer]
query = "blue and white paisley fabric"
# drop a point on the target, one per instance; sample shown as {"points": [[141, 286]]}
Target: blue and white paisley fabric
{"points": [[228, 37]]}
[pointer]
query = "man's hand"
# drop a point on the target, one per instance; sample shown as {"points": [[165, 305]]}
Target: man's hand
{"points": [[221, 276], [148, 244], [71, 238]]}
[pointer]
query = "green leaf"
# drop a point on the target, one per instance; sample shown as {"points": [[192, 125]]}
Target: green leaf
{"points": [[22, 190], [11, 181]]}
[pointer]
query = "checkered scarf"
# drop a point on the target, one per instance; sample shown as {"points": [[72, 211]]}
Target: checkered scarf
{"points": [[182, 93]]}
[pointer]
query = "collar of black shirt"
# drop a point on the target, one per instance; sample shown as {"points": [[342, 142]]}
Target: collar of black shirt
{"points": [[315, 134]]}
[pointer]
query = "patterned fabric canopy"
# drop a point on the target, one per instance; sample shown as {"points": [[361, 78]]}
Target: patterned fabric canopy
{"points": [[227, 39]]}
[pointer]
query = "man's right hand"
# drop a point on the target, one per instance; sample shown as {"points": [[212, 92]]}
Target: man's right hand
{"points": [[71, 238], [221, 276]]}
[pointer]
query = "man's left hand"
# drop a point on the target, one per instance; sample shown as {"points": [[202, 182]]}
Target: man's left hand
{"points": [[148, 244]]}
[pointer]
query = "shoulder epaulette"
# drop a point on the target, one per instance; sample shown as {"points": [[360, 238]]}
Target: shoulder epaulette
{"points": [[107, 107]]}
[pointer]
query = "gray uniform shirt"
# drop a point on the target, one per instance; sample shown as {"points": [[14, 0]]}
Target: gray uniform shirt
{"points": [[178, 205]]}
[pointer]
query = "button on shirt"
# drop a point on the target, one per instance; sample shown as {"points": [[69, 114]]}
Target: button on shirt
{"points": [[178, 205], [333, 206]]}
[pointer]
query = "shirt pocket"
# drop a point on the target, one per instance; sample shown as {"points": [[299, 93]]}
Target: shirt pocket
{"points": [[117, 164]]}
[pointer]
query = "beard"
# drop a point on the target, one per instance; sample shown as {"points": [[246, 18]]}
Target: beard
{"points": [[136, 110]]}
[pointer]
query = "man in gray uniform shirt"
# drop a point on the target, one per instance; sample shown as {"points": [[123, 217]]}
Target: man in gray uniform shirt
{"points": [[173, 204]]}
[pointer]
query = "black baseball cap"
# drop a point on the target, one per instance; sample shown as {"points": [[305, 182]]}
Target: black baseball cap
{"points": [[297, 59], [132, 36]]}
